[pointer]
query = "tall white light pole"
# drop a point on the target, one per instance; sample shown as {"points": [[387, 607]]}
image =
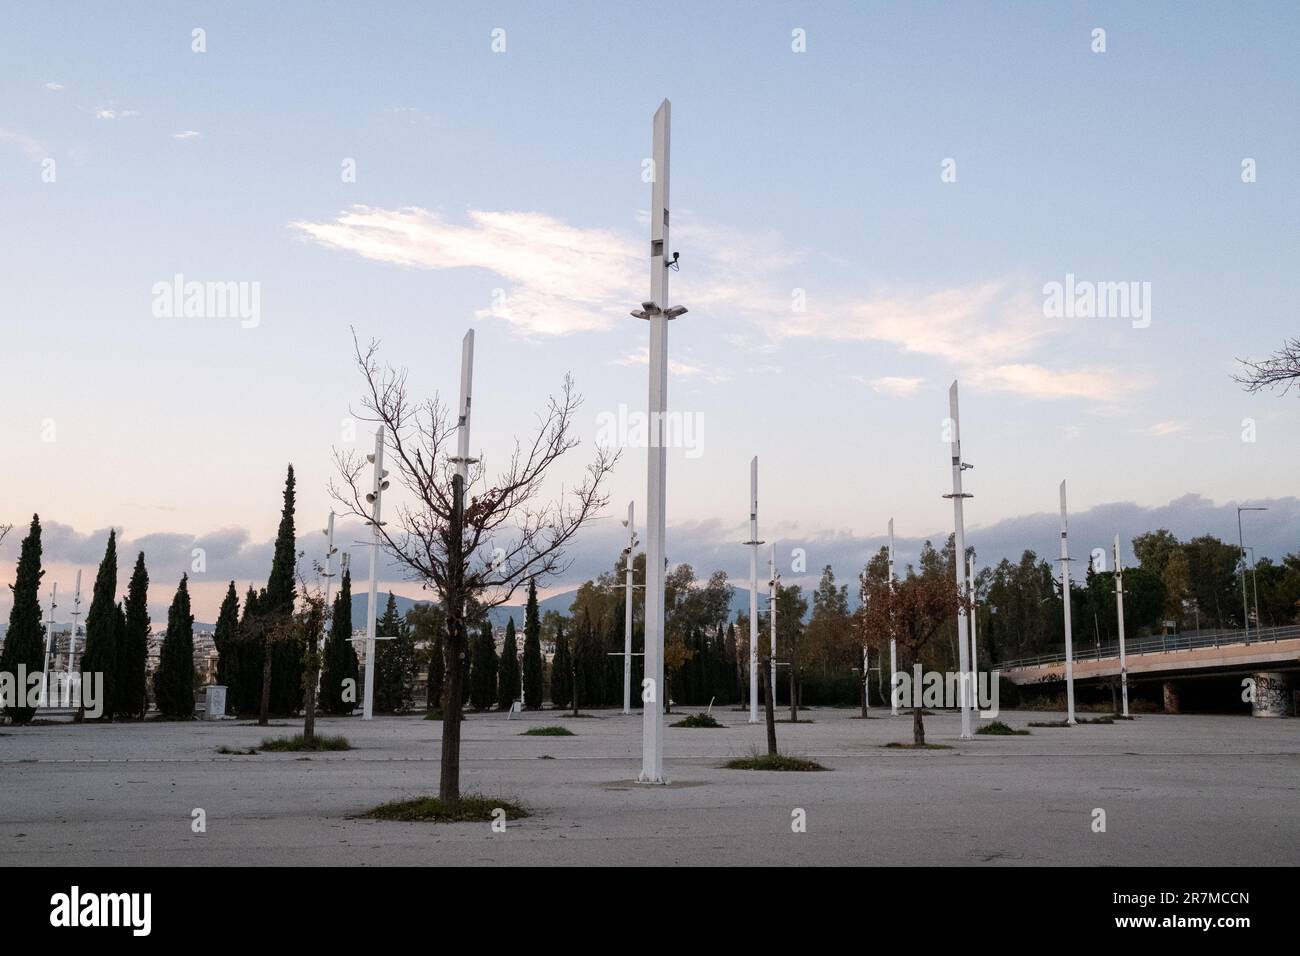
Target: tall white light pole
{"points": [[959, 560], [753, 544], [49, 638], [773, 587], [76, 613], [657, 312], [375, 498], [1119, 610], [1065, 602], [893, 643], [627, 611]]}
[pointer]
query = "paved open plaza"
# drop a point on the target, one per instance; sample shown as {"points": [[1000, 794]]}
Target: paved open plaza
{"points": [[1175, 790]]}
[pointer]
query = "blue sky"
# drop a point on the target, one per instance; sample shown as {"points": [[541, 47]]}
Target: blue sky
{"points": [[521, 171]]}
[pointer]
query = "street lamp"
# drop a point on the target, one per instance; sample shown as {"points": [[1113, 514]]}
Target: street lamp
{"points": [[1245, 609]]}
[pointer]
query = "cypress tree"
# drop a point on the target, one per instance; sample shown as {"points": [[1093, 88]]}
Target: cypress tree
{"points": [[245, 689], [340, 656], [276, 606], [100, 654], [561, 670], [429, 627], [225, 638], [483, 669], [133, 649], [394, 661], [173, 681], [532, 651], [25, 640], [508, 670]]}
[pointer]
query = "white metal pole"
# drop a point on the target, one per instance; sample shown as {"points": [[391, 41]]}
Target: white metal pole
{"points": [[771, 616], [1119, 609], [627, 613], [325, 610], [959, 562], [753, 543], [1065, 602], [76, 613], [657, 312], [974, 647], [49, 638], [372, 604], [893, 643]]}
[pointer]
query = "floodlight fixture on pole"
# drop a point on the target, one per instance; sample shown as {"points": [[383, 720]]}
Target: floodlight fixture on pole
{"points": [[893, 642], [657, 312], [49, 638], [753, 544], [375, 499], [1241, 544], [959, 561], [1065, 603], [76, 613], [1119, 613]]}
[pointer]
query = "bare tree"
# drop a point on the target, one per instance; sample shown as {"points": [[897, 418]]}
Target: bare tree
{"points": [[912, 611], [478, 540], [1281, 368]]}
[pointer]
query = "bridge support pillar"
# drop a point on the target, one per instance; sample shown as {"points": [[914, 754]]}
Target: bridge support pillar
{"points": [[1272, 695], [1172, 704]]}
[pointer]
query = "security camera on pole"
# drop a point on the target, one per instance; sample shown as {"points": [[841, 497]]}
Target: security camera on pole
{"points": [[959, 561], [753, 544], [658, 313], [375, 498], [1065, 602]]}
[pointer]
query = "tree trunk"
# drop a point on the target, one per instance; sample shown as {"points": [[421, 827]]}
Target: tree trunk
{"points": [[864, 686], [770, 708], [262, 720], [918, 725], [449, 776], [794, 695], [309, 704]]}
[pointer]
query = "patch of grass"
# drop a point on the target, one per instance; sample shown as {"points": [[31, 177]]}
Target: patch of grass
{"points": [[470, 808], [297, 743], [1078, 720], [787, 720], [552, 731], [773, 762], [698, 720], [896, 745], [242, 752], [1049, 723], [545, 757], [1120, 717], [1096, 720], [999, 729]]}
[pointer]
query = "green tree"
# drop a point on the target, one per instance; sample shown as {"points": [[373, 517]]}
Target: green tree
{"points": [[24, 644], [225, 636], [173, 681], [133, 649], [100, 654], [276, 607], [561, 670], [244, 672], [532, 651], [340, 665], [428, 624], [483, 669], [394, 662], [508, 670]]}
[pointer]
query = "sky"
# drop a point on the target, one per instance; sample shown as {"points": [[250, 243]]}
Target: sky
{"points": [[869, 202]]}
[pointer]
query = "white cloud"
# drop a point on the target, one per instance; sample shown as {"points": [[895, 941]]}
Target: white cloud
{"points": [[1161, 429], [714, 376], [54, 87], [109, 114], [187, 134], [896, 384], [33, 149], [563, 278]]}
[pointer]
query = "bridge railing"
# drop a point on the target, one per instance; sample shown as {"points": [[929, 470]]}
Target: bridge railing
{"points": [[1163, 643]]}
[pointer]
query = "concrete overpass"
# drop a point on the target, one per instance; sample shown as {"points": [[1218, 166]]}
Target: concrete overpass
{"points": [[1270, 657]]}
